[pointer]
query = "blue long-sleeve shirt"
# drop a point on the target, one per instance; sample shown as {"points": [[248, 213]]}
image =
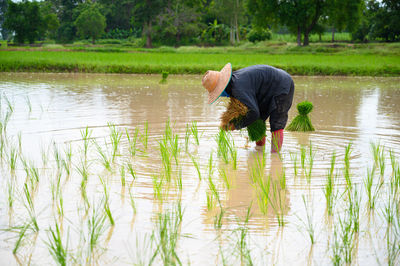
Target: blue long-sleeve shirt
{"points": [[256, 86]]}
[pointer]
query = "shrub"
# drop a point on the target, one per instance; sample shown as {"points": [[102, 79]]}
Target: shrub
{"points": [[256, 35]]}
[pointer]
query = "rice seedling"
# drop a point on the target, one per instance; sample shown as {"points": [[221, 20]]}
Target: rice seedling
{"points": [[144, 248], [19, 136], [13, 159], [29, 104], [210, 166], [175, 148], [214, 191], [86, 137], [132, 142], [222, 173], [392, 247], [28, 203], [106, 201], [302, 156], [195, 132], [44, 156], [196, 165], [329, 186], [368, 185], [105, 160], [223, 145], [83, 170], [96, 228], [10, 194], [122, 174], [21, 234], [166, 160], [131, 171], [115, 137], [57, 157], [347, 175], [158, 181], [179, 180], [310, 163], [293, 157], [57, 249], [282, 179], [9, 103], [218, 218], [347, 239], [164, 77]]}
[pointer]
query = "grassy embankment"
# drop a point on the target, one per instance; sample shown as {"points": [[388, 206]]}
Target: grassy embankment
{"points": [[317, 59]]}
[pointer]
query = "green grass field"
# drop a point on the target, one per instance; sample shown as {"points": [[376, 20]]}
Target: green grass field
{"points": [[196, 63]]}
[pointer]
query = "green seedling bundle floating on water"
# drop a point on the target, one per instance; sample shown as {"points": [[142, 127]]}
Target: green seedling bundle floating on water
{"points": [[302, 121]]}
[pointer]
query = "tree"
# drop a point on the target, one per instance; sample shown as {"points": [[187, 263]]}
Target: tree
{"points": [[145, 13], [90, 23], [232, 13], [344, 14], [25, 20], [180, 19], [300, 16], [3, 10], [385, 20]]}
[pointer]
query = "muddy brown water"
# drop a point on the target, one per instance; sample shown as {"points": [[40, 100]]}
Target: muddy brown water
{"points": [[53, 109]]}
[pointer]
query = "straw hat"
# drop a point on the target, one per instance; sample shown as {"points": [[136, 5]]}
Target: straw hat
{"points": [[215, 82]]}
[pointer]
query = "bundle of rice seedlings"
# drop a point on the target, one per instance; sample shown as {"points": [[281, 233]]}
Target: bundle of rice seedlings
{"points": [[164, 77], [234, 112], [302, 121], [257, 130]]}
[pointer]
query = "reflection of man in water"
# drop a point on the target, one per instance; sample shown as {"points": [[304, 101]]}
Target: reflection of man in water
{"points": [[265, 91], [245, 192]]}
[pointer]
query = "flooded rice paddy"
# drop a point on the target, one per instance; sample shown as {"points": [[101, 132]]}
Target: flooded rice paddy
{"points": [[120, 169]]}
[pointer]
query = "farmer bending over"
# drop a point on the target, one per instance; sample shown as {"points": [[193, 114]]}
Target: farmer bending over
{"points": [[262, 91]]}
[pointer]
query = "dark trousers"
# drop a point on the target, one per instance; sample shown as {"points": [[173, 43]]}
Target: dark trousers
{"points": [[279, 116]]}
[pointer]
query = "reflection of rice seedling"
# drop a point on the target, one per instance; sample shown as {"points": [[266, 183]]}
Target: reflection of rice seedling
{"points": [[277, 202], [106, 201], [68, 160], [56, 247], [143, 250], [302, 121], [115, 137], [57, 157], [263, 183], [222, 173], [96, 227], [145, 136], [210, 166], [28, 102], [167, 235], [347, 239], [9, 104], [158, 181], [132, 201], [187, 137], [242, 233], [354, 210], [195, 132], [368, 184], [122, 174], [218, 218], [308, 224], [196, 165], [131, 171]]}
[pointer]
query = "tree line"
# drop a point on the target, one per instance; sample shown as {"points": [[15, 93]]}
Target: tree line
{"points": [[196, 22]]}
